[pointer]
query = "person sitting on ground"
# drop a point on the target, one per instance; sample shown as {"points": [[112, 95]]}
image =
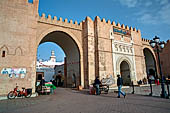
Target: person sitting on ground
{"points": [[97, 84]]}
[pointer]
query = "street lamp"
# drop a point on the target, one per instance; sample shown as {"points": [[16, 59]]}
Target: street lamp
{"points": [[158, 45]]}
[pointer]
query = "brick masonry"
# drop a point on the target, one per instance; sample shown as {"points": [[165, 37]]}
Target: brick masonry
{"points": [[100, 50]]}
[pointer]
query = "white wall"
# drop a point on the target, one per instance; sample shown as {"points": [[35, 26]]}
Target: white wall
{"points": [[48, 73]]}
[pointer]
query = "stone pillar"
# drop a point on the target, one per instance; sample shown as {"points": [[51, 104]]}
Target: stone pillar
{"points": [[89, 51], [103, 48], [139, 56]]}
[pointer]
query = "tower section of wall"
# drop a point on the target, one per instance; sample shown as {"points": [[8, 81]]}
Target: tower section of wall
{"points": [[89, 50], [103, 48], [18, 19], [123, 50], [164, 57], [139, 55]]}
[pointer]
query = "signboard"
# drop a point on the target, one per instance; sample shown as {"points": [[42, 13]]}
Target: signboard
{"points": [[121, 31], [14, 72]]}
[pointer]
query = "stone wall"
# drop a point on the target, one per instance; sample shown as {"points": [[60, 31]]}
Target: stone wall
{"points": [[18, 20], [101, 49], [164, 57]]}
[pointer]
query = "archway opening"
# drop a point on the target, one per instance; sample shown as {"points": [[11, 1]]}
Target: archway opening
{"points": [[125, 73], [69, 63], [150, 63], [49, 55]]}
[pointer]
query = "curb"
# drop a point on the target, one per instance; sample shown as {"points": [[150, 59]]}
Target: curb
{"points": [[5, 97]]}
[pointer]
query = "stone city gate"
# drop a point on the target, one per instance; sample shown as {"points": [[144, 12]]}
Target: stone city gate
{"points": [[98, 47]]}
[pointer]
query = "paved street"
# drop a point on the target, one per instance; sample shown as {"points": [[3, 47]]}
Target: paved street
{"points": [[72, 101]]}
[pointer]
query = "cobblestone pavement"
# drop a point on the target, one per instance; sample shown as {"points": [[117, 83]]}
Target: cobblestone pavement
{"points": [[72, 101], [145, 90]]}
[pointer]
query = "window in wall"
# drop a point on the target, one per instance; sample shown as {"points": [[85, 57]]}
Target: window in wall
{"points": [[3, 53]]}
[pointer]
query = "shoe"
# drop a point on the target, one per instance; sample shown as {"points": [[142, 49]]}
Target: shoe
{"points": [[118, 96], [125, 95]]}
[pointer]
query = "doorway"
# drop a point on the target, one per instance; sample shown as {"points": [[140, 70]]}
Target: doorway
{"points": [[125, 73]]}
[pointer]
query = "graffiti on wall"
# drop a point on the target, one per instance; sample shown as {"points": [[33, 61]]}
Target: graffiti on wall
{"points": [[14, 72]]}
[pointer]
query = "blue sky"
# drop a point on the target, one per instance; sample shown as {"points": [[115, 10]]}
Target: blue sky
{"points": [[152, 17]]}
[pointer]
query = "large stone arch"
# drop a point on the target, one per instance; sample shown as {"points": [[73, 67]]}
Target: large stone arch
{"points": [[151, 50], [71, 34], [152, 61], [74, 38]]}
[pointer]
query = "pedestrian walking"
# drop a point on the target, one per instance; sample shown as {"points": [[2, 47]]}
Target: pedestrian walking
{"points": [[119, 84], [59, 77]]}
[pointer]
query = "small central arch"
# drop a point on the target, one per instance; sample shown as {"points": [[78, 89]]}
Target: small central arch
{"points": [[125, 73], [125, 67]]}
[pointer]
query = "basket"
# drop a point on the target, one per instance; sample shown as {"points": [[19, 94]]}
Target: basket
{"points": [[29, 91]]}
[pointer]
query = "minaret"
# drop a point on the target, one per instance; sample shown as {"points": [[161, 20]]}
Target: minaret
{"points": [[53, 57]]}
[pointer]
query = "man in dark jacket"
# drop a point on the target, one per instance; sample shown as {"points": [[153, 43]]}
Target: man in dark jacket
{"points": [[97, 85], [119, 84]]}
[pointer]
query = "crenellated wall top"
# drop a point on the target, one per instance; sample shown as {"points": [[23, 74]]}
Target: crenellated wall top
{"points": [[59, 21], [64, 22], [145, 40], [118, 25]]}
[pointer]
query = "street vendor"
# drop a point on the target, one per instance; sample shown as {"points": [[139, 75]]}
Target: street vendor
{"points": [[42, 82], [97, 84]]}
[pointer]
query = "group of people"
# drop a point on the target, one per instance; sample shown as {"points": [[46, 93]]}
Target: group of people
{"points": [[97, 84], [58, 79]]}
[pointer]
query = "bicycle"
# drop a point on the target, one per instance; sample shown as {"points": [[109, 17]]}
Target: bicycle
{"points": [[17, 93]]}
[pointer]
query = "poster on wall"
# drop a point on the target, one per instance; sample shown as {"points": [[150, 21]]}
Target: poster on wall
{"points": [[14, 72]]}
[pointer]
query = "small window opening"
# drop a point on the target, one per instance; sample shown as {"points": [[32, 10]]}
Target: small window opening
{"points": [[3, 53]]}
